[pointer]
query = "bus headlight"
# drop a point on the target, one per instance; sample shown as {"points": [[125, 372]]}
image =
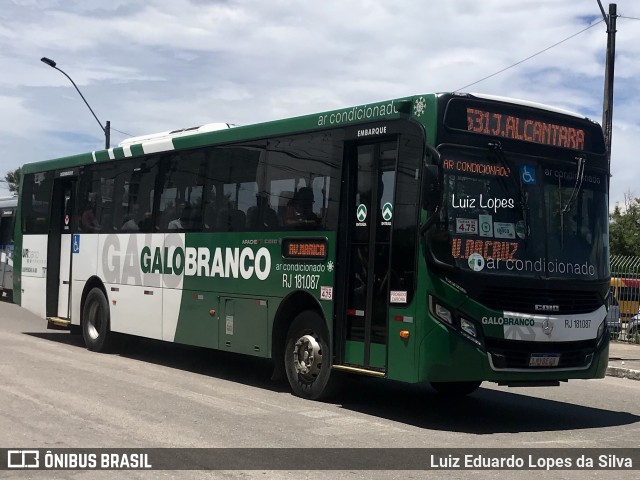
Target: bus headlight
{"points": [[601, 328], [468, 327], [453, 319], [443, 314]]}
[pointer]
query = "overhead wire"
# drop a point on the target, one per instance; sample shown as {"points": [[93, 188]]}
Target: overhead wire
{"points": [[531, 56], [124, 133], [506, 68]]}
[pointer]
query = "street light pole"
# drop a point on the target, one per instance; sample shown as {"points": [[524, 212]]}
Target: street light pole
{"points": [[106, 129]]}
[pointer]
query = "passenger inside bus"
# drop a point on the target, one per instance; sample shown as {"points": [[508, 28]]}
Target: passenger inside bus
{"points": [[130, 223], [88, 219], [184, 221], [231, 219], [300, 208], [261, 216]]}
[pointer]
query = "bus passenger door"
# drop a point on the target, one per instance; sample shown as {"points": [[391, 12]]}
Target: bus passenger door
{"points": [[59, 248], [371, 188]]}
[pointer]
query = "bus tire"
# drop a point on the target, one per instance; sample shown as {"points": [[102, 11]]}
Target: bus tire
{"points": [[307, 357], [95, 322], [455, 389]]}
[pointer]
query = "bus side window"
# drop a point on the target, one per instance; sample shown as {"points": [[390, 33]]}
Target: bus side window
{"points": [[303, 175], [261, 216], [284, 199], [35, 203]]}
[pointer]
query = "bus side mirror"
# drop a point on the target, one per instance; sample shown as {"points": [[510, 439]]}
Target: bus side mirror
{"points": [[431, 188]]}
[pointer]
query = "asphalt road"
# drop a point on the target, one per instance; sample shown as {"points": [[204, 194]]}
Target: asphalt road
{"points": [[56, 394]]}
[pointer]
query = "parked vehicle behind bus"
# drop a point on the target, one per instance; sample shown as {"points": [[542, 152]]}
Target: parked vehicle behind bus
{"points": [[614, 323], [627, 291], [7, 221]]}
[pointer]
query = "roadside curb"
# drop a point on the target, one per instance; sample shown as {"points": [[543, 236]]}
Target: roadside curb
{"points": [[623, 373]]}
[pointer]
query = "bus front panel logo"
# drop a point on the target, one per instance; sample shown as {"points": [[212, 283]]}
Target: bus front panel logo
{"points": [[547, 308]]}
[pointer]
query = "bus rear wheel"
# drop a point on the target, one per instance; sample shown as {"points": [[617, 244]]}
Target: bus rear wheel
{"points": [[307, 357], [95, 322], [455, 389]]}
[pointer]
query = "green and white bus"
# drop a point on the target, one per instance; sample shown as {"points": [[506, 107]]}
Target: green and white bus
{"points": [[442, 238]]}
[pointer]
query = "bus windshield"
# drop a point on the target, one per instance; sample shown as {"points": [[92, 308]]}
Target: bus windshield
{"points": [[511, 214]]}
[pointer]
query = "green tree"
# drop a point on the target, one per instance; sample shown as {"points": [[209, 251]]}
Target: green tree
{"points": [[12, 179], [624, 227]]}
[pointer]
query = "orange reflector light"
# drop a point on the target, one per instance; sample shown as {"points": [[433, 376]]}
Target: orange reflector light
{"points": [[404, 334]]}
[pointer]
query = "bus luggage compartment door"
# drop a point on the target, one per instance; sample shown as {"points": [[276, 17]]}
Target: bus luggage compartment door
{"points": [[243, 326]]}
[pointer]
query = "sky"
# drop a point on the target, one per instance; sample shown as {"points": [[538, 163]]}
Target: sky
{"points": [[158, 65]]}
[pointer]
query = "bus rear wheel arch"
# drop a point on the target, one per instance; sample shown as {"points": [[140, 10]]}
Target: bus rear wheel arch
{"points": [[307, 356]]}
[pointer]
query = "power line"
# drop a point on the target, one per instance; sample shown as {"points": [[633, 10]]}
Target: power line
{"points": [[124, 133], [630, 18], [530, 57]]}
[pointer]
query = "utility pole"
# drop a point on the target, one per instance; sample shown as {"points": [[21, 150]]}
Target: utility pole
{"points": [[607, 109]]}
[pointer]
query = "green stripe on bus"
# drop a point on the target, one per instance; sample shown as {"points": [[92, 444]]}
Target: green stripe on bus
{"points": [[118, 153]]}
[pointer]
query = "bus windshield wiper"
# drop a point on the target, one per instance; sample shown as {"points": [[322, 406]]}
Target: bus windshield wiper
{"points": [[496, 148], [572, 198], [577, 186]]}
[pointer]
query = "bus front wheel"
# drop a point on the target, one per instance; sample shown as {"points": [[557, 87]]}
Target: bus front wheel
{"points": [[95, 322], [455, 388], [307, 356]]}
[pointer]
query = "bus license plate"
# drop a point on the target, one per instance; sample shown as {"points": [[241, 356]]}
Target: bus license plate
{"points": [[544, 360]]}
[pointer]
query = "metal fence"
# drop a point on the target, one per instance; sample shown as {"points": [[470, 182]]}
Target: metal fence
{"points": [[625, 288]]}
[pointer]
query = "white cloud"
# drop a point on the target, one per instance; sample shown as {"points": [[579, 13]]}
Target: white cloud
{"points": [[17, 118]]}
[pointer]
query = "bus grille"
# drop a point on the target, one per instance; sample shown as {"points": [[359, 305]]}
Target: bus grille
{"points": [[510, 354], [525, 300]]}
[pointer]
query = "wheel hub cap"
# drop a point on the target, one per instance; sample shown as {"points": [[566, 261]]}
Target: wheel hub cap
{"points": [[307, 356]]}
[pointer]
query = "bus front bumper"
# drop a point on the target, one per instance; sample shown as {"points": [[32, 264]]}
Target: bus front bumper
{"points": [[445, 356]]}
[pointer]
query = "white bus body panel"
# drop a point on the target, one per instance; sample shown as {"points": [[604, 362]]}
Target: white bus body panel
{"points": [[171, 298], [135, 298], [85, 262], [85, 265], [64, 285], [33, 295], [171, 290], [76, 297], [136, 310], [34, 273]]}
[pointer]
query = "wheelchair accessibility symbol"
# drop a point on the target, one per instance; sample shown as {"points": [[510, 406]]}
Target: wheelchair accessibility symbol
{"points": [[75, 243], [528, 174]]}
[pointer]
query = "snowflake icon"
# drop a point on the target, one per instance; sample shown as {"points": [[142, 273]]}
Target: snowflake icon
{"points": [[330, 266], [419, 107]]}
